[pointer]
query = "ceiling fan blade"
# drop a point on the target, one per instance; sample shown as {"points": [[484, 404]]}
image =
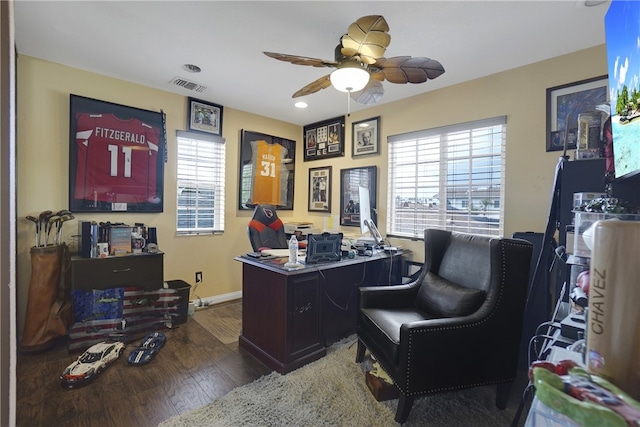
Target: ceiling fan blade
{"points": [[371, 93], [301, 60], [405, 69], [376, 74], [366, 38], [313, 87]]}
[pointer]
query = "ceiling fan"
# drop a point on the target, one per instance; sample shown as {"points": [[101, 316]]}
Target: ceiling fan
{"points": [[360, 65]]}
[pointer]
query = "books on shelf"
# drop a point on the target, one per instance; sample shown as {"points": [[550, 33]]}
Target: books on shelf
{"points": [[120, 240]]}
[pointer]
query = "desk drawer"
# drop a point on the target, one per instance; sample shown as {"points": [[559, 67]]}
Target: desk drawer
{"points": [[144, 271]]}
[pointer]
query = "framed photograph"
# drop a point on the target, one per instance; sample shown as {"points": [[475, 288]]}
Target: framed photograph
{"points": [[350, 181], [116, 157], [267, 171], [324, 139], [204, 117], [565, 102], [365, 137], [320, 189]]}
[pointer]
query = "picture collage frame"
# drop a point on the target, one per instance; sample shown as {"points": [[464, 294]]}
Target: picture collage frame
{"points": [[324, 139]]}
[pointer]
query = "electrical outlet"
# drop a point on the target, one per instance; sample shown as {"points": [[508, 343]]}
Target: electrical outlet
{"points": [[198, 276]]}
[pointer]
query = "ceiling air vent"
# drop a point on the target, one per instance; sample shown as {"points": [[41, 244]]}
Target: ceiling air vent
{"points": [[189, 85]]}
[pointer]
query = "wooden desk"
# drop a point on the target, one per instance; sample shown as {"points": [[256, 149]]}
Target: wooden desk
{"points": [[290, 316]]}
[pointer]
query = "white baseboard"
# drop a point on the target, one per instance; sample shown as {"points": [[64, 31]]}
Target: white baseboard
{"points": [[217, 299]]}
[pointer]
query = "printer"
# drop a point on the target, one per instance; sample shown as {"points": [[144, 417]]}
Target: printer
{"points": [[300, 228]]}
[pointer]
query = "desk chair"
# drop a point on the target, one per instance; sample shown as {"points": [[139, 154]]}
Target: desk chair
{"points": [[457, 325], [266, 230]]}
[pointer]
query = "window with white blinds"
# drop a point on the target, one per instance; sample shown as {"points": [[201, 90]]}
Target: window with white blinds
{"points": [[201, 174], [450, 178]]}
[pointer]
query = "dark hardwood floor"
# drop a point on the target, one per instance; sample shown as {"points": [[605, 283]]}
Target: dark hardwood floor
{"points": [[191, 370]]}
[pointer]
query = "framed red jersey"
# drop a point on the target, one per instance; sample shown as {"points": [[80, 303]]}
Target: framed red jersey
{"points": [[116, 157]]}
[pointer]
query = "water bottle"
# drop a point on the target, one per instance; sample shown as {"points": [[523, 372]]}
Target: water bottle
{"points": [[293, 251]]}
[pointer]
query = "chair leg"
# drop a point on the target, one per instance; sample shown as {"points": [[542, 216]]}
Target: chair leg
{"points": [[502, 394], [360, 352], [404, 407]]}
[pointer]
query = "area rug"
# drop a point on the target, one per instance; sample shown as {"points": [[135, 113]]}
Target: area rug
{"points": [[332, 392]]}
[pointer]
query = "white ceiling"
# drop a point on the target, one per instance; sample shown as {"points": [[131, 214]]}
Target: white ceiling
{"points": [[147, 42]]}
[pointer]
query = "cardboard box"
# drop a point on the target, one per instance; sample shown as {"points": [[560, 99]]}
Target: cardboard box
{"points": [[380, 389]]}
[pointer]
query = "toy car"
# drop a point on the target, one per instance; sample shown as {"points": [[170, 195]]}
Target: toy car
{"points": [[91, 363], [149, 347]]}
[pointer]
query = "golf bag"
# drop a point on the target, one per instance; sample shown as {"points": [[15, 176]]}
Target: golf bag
{"points": [[49, 311]]}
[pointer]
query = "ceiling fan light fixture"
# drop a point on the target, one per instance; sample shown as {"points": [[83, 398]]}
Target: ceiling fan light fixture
{"points": [[349, 78]]}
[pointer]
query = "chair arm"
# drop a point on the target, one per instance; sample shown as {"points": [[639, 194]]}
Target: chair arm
{"points": [[394, 296], [442, 325], [467, 341]]}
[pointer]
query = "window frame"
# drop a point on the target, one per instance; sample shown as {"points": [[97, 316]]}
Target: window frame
{"points": [[205, 179], [444, 158]]}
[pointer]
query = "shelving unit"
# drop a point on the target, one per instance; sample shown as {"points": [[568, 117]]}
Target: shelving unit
{"points": [[123, 297]]}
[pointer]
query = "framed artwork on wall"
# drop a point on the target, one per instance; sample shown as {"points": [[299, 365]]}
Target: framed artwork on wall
{"points": [[365, 137], [203, 116], [350, 181], [116, 157], [320, 189], [267, 171], [565, 102], [324, 139]]}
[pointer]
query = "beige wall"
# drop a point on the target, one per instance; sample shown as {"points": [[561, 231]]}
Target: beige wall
{"points": [[43, 149]]}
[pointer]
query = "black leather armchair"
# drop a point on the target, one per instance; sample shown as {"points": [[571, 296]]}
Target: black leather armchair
{"points": [[266, 230], [456, 326]]}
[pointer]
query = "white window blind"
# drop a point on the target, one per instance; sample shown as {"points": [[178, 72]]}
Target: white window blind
{"points": [[450, 178], [201, 175]]}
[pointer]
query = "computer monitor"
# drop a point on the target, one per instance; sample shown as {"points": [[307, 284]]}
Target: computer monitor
{"points": [[622, 32], [367, 225]]}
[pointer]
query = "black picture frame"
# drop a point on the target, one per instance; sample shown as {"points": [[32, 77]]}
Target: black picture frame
{"points": [[565, 102], [204, 116], [248, 140], [320, 189], [365, 137], [350, 180], [324, 139], [116, 157]]}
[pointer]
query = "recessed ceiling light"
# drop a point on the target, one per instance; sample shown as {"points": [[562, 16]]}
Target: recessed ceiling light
{"points": [[301, 104], [191, 68], [592, 3]]}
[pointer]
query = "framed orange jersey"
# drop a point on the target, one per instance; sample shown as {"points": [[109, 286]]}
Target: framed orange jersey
{"points": [[267, 168]]}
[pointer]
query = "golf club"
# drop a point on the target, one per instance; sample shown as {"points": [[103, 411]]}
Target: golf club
{"points": [[52, 219], [61, 220], [35, 221], [63, 212], [43, 218]]}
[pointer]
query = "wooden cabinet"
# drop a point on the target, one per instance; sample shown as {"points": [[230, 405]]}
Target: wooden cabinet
{"points": [[289, 317], [115, 298], [281, 318], [303, 316], [143, 271]]}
